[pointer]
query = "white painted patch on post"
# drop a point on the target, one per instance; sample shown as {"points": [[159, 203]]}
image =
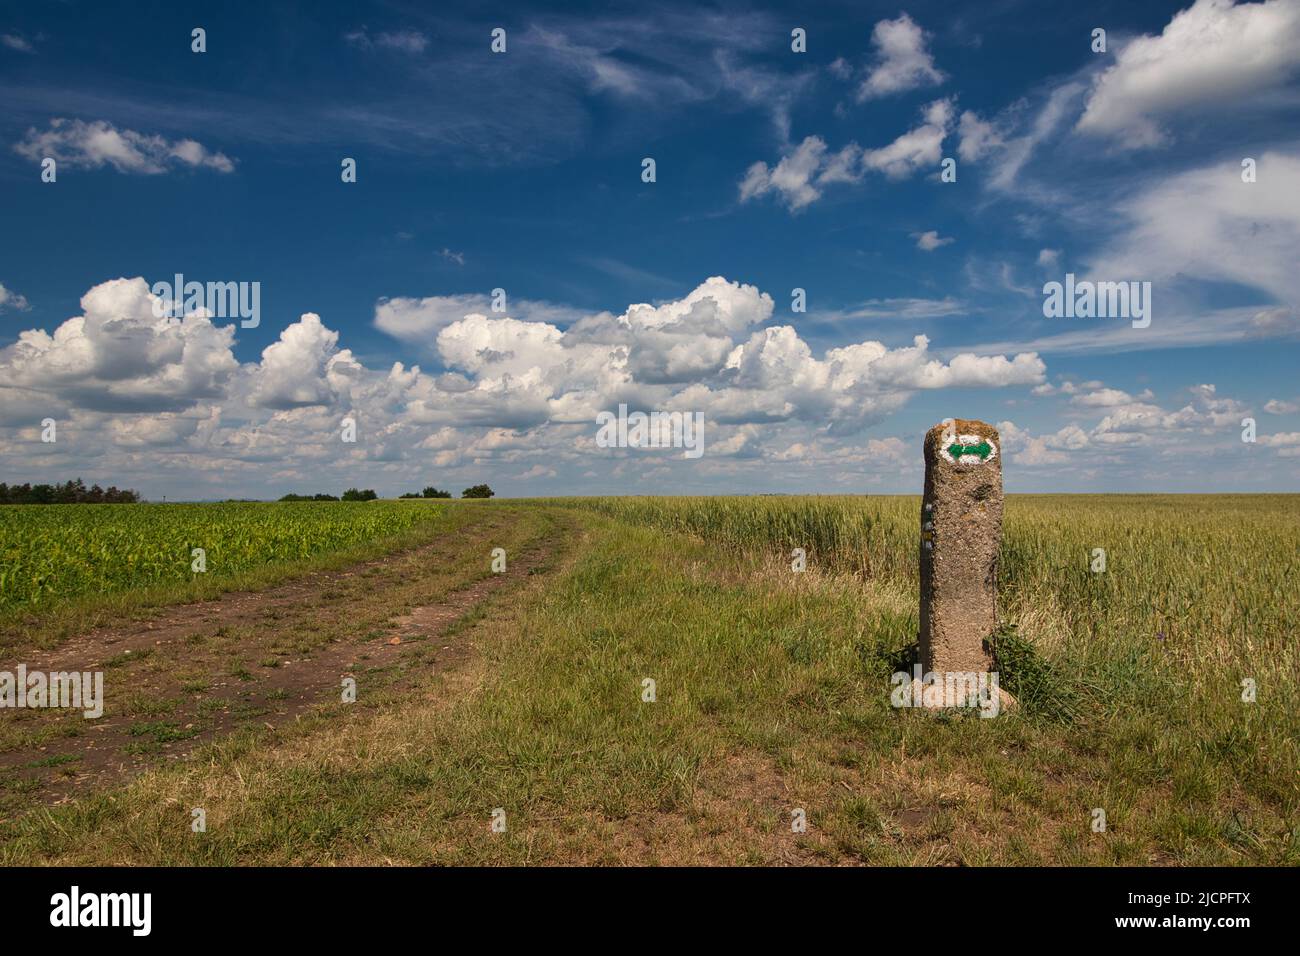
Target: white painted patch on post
{"points": [[970, 445]]}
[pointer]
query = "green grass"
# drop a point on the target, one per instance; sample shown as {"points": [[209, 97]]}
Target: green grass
{"points": [[773, 695], [1199, 585]]}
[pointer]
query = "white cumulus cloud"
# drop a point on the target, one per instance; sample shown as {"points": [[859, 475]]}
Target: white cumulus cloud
{"points": [[931, 240], [118, 356], [902, 60], [141, 395], [921, 146], [806, 170], [1214, 54]]}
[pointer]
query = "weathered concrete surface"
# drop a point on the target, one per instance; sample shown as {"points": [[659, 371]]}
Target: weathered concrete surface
{"points": [[961, 530]]}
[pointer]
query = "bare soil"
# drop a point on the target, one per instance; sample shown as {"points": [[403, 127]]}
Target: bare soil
{"points": [[195, 673]]}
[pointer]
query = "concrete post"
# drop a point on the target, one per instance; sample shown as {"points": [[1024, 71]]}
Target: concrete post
{"points": [[961, 531]]}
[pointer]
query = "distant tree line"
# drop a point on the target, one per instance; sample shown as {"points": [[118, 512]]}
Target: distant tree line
{"points": [[475, 491], [430, 492], [75, 492], [69, 493], [352, 494]]}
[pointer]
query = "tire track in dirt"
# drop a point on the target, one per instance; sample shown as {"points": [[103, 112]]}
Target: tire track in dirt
{"points": [[396, 653]]}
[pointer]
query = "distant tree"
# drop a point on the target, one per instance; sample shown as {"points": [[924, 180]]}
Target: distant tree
{"points": [[70, 492], [119, 497], [410, 494], [477, 491], [352, 494], [432, 492]]}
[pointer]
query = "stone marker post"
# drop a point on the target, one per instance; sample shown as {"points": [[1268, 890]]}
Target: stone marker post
{"points": [[961, 530]]}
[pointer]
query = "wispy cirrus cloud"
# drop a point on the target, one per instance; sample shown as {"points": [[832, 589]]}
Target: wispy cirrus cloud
{"points": [[1174, 327], [10, 300], [533, 105], [402, 41], [78, 144], [1235, 231], [18, 42], [905, 308]]}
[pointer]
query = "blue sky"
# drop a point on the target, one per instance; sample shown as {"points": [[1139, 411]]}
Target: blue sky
{"points": [[522, 170]]}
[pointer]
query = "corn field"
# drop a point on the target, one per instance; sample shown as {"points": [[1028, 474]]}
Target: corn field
{"points": [[49, 552]]}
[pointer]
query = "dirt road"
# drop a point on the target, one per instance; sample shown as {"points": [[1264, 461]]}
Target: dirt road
{"points": [[190, 674]]}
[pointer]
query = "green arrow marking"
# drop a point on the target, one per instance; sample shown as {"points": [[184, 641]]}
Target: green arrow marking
{"points": [[982, 450]]}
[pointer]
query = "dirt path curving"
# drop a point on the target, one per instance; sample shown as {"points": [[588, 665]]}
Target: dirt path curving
{"points": [[195, 673]]}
